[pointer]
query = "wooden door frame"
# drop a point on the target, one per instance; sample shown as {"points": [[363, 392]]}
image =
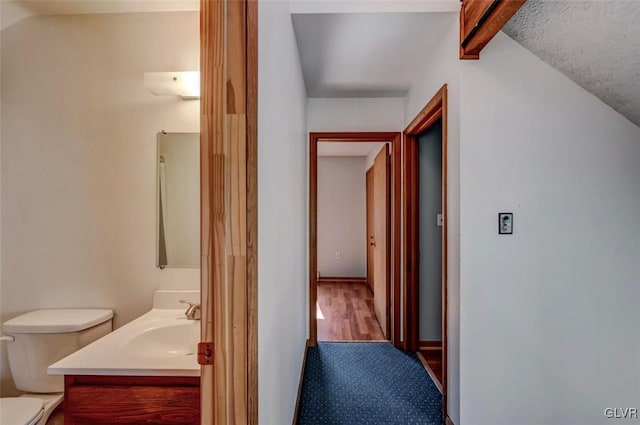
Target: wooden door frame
{"points": [[367, 241], [435, 109], [394, 138], [229, 217]]}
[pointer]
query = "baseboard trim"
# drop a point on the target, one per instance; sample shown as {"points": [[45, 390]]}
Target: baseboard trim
{"points": [[448, 421], [304, 363], [429, 345], [342, 279]]}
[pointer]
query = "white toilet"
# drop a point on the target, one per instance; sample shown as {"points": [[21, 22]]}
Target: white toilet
{"points": [[36, 340]]}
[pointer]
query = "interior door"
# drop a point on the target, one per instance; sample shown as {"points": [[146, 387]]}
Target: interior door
{"points": [[370, 237], [381, 237]]}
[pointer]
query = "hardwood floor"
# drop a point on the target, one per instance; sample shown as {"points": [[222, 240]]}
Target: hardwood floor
{"points": [[432, 361], [345, 313]]}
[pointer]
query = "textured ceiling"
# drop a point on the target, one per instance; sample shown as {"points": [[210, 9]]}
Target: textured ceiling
{"points": [[596, 43]]}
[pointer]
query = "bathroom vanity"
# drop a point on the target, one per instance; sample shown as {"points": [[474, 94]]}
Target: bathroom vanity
{"points": [[131, 400], [144, 372]]}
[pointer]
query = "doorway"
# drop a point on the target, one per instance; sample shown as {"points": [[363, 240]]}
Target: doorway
{"points": [[363, 293], [345, 306], [425, 238]]}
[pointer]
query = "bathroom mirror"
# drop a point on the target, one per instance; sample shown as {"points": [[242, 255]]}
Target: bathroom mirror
{"points": [[178, 216]]}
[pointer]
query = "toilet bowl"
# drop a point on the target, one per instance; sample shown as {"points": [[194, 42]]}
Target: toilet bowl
{"points": [[36, 340]]}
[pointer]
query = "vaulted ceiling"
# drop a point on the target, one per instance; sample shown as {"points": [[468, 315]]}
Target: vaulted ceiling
{"points": [[596, 43]]}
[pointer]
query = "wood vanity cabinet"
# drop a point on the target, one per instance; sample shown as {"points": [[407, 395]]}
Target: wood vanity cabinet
{"points": [[124, 400]]}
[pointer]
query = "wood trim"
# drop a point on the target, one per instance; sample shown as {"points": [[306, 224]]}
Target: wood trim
{"points": [[445, 247], [480, 21], [430, 372], [313, 239], [228, 123], [396, 240], [298, 397], [387, 326], [411, 247], [472, 12], [463, 54], [338, 279], [155, 381], [131, 400], [448, 421], [427, 115], [212, 87], [395, 139], [429, 345], [436, 108], [369, 225], [252, 211], [354, 136]]}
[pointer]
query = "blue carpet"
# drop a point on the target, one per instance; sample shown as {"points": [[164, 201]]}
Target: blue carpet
{"points": [[366, 383]]}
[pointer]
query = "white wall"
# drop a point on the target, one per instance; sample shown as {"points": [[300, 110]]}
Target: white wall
{"points": [[78, 167], [549, 315], [282, 215], [361, 114], [342, 216], [444, 68]]}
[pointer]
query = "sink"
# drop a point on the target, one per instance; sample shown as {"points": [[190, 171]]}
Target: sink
{"points": [[172, 340]]}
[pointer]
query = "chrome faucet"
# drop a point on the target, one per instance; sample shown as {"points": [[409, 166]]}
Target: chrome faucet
{"points": [[193, 312]]}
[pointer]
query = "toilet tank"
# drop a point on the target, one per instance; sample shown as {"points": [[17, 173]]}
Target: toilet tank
{"points": [[43, 337]]}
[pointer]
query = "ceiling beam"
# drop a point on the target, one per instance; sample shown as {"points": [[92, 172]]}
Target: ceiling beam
{"points": [[480, 21]]}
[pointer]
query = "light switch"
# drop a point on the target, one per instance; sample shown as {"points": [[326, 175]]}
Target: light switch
{"points": [[505, 223], [338, 255], [439, 220]]}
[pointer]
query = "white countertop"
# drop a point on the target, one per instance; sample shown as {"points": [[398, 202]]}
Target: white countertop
{"points": [[140, 348]]}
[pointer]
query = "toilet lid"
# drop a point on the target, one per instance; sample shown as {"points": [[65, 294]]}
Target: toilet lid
{"points": [[20, 410], [57, 320]]}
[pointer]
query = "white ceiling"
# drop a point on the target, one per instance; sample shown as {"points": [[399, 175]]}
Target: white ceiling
{"points": [[366, 54], [12, 11], [595, 43], [348, 148]]}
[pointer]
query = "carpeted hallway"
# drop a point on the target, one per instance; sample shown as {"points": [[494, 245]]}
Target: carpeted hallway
{"points": [[366, 383]]}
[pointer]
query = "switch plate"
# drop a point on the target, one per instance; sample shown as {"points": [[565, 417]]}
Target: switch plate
{"points": [[505, 223], [338, 255], [439, 220]]}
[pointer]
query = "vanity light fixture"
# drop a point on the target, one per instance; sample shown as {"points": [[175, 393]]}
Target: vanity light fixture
{"points": [[185, 84]]}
